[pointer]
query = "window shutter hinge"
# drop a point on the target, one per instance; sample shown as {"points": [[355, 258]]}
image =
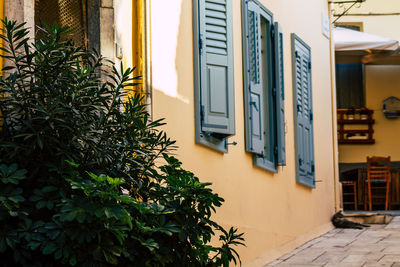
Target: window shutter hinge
{"points": [[253, 103], [276, 150], [202, 113], [296, 53], [274, 91], [200, 44], [262, 156], [300, 161], [313, 168], [311, 116], [272, 32], [309, 65]]}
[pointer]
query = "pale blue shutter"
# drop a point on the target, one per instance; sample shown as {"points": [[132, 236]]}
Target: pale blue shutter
{"points": [[216, 67], [253, 91], [303, 112], [280, 95]]}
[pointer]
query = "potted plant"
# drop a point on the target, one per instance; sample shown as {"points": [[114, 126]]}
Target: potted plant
{"points": [[350, 113], [364, 113]]}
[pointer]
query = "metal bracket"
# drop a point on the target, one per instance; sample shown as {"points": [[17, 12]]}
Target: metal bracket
{"points": [[202, 113], [346, 1], [253, 103], [345, 9], [272, 31]]}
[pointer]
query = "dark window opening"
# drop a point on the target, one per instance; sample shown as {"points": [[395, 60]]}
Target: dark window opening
{"points": [[355, 26], [350, 86], [66, 13]]}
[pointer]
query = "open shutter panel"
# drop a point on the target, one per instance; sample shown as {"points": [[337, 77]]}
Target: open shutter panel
{"points": [[280, 96], [216, 67], [304, 131], [254, 91], [308, 116]]}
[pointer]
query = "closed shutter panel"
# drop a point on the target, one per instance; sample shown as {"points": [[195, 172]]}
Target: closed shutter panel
{"points": [[303, 114], [216, 67], [280, 95], [254, 101]]}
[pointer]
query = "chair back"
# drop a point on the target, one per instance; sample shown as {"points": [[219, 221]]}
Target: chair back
{"points": [[378, 169]]}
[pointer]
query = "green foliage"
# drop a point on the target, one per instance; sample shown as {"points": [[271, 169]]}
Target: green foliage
{"points": [[86, 178]]}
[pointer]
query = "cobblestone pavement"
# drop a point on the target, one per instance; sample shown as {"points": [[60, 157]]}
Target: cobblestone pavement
{"points": [[378, 245]]}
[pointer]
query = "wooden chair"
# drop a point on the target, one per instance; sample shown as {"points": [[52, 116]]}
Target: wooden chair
{"points": [[378, 181], [350, 194]]}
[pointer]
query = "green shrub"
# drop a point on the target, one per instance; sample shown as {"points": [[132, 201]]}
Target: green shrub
{"points": [[86, 178]]}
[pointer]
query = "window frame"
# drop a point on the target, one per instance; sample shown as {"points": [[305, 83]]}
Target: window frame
{"points": [[352, 25], [60, 13]]}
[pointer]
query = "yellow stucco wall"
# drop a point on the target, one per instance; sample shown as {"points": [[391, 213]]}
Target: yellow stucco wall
{"points": [[275, 213], [380, 83]]}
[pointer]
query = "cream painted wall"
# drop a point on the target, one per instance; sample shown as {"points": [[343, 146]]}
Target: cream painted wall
{"points": [[381, 82], [275, 213], [123, 31]]}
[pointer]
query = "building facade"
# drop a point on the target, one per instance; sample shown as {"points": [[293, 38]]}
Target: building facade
{"points": [[246, 88]]}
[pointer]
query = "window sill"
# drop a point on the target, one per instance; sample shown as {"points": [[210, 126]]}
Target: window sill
{"points": [[264, 164], [217, 144], [307, 182]]}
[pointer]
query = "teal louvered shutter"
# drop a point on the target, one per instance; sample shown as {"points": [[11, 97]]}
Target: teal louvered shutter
{"points": [[216, 67], [303, 112], [280, 95], [254, 100]]}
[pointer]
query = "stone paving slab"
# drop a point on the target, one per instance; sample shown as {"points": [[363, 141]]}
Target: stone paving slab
{"points": [[378, 245]]}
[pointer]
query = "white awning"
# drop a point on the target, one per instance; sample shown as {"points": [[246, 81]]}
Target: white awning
{"points": [[350, 40], [354, 46]]}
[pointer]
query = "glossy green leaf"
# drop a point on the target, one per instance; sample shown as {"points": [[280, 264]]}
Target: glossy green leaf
{"points": [[49, 248]]}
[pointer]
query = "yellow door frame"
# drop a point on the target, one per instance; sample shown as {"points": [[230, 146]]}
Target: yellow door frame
{"points": [[138, 43]]}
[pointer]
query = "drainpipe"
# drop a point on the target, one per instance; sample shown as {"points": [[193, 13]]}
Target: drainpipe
{"points": [[141, 48], [338, 203]]}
